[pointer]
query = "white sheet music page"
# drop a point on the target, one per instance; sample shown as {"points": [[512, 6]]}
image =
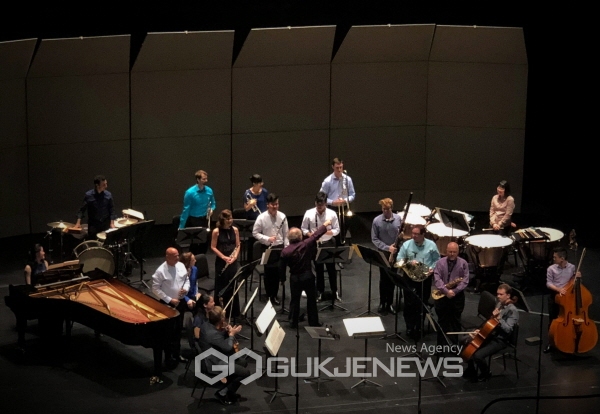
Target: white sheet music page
{"points": [[365, 325], [275, 338], [266, 316]]}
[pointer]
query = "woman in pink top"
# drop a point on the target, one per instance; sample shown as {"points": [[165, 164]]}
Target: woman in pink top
{"points": [[502, 207]]}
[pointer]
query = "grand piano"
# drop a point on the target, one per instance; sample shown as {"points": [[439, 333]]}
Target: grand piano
{"points": [[97, 300]]}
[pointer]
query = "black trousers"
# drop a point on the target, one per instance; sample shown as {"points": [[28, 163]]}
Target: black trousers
{"points": [[298, 283], [198, 248], [221, 281], [331, 271], [173, 347], [273, 274], [386, 288], [449, 311], [490, 347], [415, 293]]}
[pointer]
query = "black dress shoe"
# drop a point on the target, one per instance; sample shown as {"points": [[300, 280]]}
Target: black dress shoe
{"points": [[391, 309], [484, 376], [382, 310], [302, 317], [275, 302], [223, 399], [547, 349]]}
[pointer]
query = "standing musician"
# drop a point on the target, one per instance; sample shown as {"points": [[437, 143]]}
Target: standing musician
{"points": [[192, 295], [271, 230], [216, 334], [255, 198], [298, 256], [313, 218], [384, 234], [450, 277], [340, 191], [170, 283], [225, 243], [417, 250], [507, 315], [37, 265], [501, 208], [198, 205], [558, 276], [100, 206]]}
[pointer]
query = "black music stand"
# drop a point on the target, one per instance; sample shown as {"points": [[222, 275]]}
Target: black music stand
{"points": [[250, 306], [191, 235], [453, 220], [277, 340], [364, 328], [340, 254], [245, 227], [114, 238], [237, 280], [319, 333], [389, 273], [143, 229], [271, 259], [373, 257]]}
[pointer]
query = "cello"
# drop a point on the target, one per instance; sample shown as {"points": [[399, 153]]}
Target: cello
{"points": [[573, 332]]}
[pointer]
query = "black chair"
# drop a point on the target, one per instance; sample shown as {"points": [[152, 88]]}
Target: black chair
{"points": [[205, 282], [218, 385], [193, 351], [510, 351], [485, 307]]}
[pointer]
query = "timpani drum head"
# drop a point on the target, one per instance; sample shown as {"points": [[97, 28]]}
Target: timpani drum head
{"points": [[411, 221], [419, 210], [487, 249], [442, 235]]}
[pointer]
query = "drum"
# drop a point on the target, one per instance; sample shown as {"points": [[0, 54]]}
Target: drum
{"points": [[487, 249], [84, 246], [411, 221], [419, 210], [443, 235], [542, 249], [97, 257], [101, 237]]}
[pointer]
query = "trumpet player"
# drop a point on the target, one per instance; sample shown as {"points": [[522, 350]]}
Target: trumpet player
{"points": [[198, 203], [417, 250], [450, 277], [340, 193], [255, 198], [384, 234], [313, 218]]}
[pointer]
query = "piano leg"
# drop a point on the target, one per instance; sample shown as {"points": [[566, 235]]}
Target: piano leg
{"points": [[158, 352]]}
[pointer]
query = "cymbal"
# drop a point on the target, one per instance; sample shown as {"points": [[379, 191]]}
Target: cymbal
{"points": [[126, 221], [60, 225]]}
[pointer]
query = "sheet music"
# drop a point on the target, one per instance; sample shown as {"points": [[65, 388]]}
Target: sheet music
{"points": [[275, 338], [370, 325], [266, 316], [250, 302]]}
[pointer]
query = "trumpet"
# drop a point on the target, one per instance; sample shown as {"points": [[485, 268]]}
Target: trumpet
{"points": [[254, 206]]}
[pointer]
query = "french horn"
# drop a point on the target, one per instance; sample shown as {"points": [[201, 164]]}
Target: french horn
{"points": [[418, 272]]}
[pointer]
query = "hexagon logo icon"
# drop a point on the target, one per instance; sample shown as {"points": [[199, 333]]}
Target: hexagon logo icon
{"points": [[223, 368], [257, 358]]}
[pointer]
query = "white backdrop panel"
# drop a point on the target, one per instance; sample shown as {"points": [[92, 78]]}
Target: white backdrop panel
{"points": [[14, 203], [378, 94], [477, 95], [75, 109], [180, 103], [290, 164], [383, 162], [163, 168], [464, 166], [61, 174], [280, 98]]}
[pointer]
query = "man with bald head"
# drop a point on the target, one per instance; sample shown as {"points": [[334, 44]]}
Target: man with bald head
{"points": [[450, 277], [170, 283], [298, 255]]}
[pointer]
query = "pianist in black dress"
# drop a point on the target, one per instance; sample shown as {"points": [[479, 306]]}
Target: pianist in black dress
{"points": [[37, 265]]}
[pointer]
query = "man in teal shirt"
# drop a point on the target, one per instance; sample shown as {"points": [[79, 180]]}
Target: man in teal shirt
{"points": [[198, 205]]}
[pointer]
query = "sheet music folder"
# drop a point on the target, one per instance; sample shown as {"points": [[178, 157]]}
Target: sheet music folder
{"points": [[340, 254], [271, 256], [364, 327], [274, 339]]}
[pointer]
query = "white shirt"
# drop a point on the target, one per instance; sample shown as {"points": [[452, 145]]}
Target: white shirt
{"points": [[312, 220], [267, 226], [167, 281]]}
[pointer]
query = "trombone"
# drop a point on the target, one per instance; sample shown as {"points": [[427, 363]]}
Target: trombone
{"points": [[208, 214], [344, 209], [255, 206]]}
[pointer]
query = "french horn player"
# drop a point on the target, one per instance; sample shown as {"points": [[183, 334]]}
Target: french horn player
{"points": [[417, 257]]}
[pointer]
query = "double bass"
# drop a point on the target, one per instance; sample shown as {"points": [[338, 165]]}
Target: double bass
{"points": [[573, 332]]}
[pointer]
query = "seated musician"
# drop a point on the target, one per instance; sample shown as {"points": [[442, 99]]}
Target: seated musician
{"points": [[507, 315], [558, 276], [192, 295], [501, 208], [205, 304], [37, 265], [218, 335]]}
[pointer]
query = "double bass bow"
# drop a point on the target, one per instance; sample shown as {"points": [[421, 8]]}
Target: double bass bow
{"points": [[573, 331], [400, 237]]}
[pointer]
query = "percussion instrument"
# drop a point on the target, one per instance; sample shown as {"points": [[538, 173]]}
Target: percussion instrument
{"points": [[419, 210], [125, 221], [542, 249], [101, 237], [487, 249], [81, 247], [442, 235], [410, 221], [62, 225], [97, 257]]}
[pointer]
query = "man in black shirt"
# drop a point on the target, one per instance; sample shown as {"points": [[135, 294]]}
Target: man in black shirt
{"points": [[100, 207]]}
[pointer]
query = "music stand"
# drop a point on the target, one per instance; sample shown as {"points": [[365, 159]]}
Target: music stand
{"points": [[250, 306], [143, 229], [320, 333], [113, 238], [373, 257], [333, 255], [364, 328], [270, 258], [237, 280], [245, 227], [191, 235], [272, 346], [453, 220]]}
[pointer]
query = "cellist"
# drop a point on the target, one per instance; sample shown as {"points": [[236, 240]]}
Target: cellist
{"points": [[558, 276], [507, 315]]}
